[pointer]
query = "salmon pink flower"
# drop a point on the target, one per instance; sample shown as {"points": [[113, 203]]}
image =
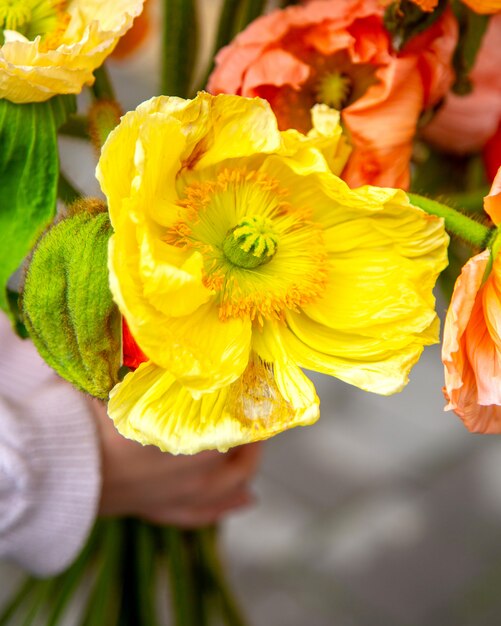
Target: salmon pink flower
{"points": [[338, 52], [465, 123], [484, 6], [136, 36], [472, 335]]}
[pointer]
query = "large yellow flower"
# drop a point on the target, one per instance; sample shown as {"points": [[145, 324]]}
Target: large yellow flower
{"points": [[50, 47], [239, 257]]}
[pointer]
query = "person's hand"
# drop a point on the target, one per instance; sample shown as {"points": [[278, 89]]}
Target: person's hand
{"points": [[187, 491]]}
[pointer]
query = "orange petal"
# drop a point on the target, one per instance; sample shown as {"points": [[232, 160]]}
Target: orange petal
{"points": [[470, 354], [426, 5], [492, 202], [464, 123], [135, 36], [382, 125]]}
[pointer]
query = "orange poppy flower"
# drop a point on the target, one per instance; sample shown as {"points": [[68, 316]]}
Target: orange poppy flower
{"points": [[133, 38], [426, 5], [338, 52], [484, 6], [464, 123], [471, 350]]}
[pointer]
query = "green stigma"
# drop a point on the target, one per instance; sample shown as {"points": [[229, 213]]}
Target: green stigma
{"points": [[14, 15], [334, 90], [30, 17], [250, 243]]}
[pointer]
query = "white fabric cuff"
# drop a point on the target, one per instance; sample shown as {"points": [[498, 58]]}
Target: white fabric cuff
{"points": [[49, 477]]}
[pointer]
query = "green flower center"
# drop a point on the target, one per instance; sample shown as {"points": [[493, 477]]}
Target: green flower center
{"points": [[251, 242], [14, 14], [334, 89], [32, 18]]}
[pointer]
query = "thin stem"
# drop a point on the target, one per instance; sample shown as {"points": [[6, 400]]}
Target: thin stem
{"points": [[17, 600], [207, 538], [102, 605], [66, 191], [456, 223], [129, 606], [76, 126], [180, 577], [102, 87], [69, 580], [42, 592], [146, 567], [225, 30], [179, 46]]}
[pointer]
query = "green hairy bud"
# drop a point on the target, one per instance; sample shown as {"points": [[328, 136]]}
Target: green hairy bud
{"points": [[67, 304]]}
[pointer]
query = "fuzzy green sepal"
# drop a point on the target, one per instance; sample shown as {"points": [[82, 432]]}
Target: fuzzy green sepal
{"points": [[67, 304]]}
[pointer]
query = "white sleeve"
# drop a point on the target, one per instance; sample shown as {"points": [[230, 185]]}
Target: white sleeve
{"points": [[49, 461]]}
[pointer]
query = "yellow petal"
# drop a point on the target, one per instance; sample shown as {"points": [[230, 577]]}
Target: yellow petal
{"points": [[29, 73], [379, 372], [197, 348], [151, 407]]}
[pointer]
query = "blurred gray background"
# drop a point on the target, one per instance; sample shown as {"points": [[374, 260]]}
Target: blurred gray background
{"points": [[385, 513]]}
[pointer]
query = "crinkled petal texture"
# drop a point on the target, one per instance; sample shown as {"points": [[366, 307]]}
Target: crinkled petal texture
{"points": [[472, 347], [287, 57], [458, 126], [152, 407], [29, 72], [238, 257]]}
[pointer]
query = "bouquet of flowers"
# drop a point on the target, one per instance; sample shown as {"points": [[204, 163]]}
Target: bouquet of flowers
{"points": [[291, 212]]}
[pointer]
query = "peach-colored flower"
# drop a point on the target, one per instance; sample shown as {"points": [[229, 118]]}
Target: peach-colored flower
{"points": [[339, 53], [492, 154], [472, 336], [426, 5], [484, 6], [465, 123], [134, 37]]}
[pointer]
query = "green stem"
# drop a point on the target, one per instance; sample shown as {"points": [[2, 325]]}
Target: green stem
{"points": [[146, 569], [17, 600], [41, 593], [76, 126], [251, 10], [180, 577], [179, 46], [225, 31], [207, 538], [69, 580], [129, 607], [102, 87], [102, 605], [66, 191], [456, 223]]}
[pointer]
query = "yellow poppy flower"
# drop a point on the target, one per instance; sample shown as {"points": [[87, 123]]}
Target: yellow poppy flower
{"points": [[50, 47], [239, 257]]}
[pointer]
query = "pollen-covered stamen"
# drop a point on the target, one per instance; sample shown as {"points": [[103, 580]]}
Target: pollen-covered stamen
{"points": [[251, 242], [334, 89]]}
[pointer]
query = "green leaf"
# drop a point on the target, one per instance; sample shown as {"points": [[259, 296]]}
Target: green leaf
{"points": [[29, 172], [404, 19], [67, 304]]}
